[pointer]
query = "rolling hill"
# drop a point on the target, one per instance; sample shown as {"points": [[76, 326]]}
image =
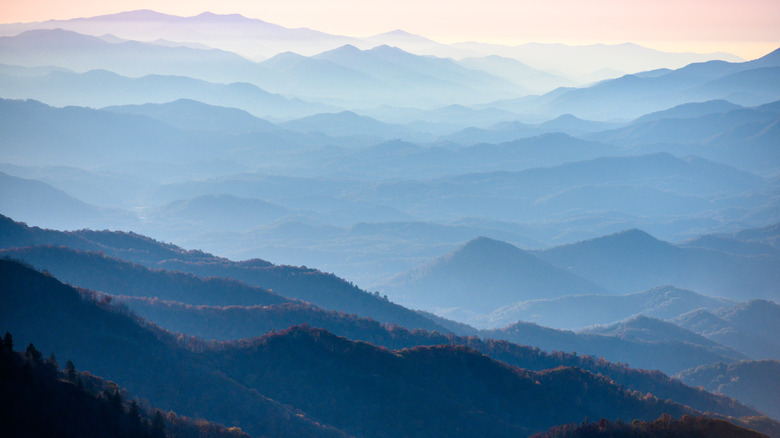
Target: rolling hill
{"points": [[753, 382], [656, 330], [102, 88], [483, 275], [38, 308], [191, 114], [22, 198], [711, 326], [669, 356], [422, 377], [223, 212], [663, 302], [321, 289], [633, 260]]}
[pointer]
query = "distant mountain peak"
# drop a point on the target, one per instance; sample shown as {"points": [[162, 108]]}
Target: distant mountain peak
{"points": [[567, 116], [385, 48], [629, 236], [398, 32], [346, 49], [211, 15], [485, 247], [138, 14], [482, 241]]}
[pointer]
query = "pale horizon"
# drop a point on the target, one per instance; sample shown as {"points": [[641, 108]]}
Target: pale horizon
{"points": [[746, 29]]}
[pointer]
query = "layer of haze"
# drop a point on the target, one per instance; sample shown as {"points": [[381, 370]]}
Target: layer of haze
{"points": [[746, 28]]}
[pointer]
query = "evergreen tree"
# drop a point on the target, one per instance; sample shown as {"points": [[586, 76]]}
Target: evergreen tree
{"points": [[158, 425], [8, 341], [32, 353], [134, 412], [70, 371]]}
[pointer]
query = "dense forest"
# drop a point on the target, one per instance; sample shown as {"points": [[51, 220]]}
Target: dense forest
{"points": [[663, 427], [40, 399], [325, 375]]}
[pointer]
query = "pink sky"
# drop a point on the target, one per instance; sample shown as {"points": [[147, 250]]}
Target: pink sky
{"points": [[748, 28]]}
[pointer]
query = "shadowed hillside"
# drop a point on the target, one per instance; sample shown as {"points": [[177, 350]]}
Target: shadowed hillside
{"points": [[39, 399], [316, 287], [753, 382], [233, 322], [144, 360]]}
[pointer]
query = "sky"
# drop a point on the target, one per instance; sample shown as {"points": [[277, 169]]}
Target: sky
{"points": [[748, 28]]}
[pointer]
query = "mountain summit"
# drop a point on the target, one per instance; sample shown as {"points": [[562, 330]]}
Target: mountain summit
{"points": [[483, 275]]}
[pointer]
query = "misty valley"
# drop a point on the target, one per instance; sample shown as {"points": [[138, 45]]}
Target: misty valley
{"points": [[218, 226]]}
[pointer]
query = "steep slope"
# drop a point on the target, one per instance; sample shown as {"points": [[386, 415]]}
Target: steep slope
{"points": [[316, 287], [633, 260], [41, 400], [38, 308], [128, 246], [97, 272], [483, 275], [753, 382]]}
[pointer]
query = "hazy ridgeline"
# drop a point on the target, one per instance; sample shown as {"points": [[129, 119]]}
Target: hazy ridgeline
{"points": [[435, 201]]}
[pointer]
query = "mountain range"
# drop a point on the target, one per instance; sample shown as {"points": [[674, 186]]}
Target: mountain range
{"points": [[747, 327], [258, 39], [484, 275], [83, 345], [663, 302], [173, 299], [620, 263], [746, 380], [391, 236]]}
